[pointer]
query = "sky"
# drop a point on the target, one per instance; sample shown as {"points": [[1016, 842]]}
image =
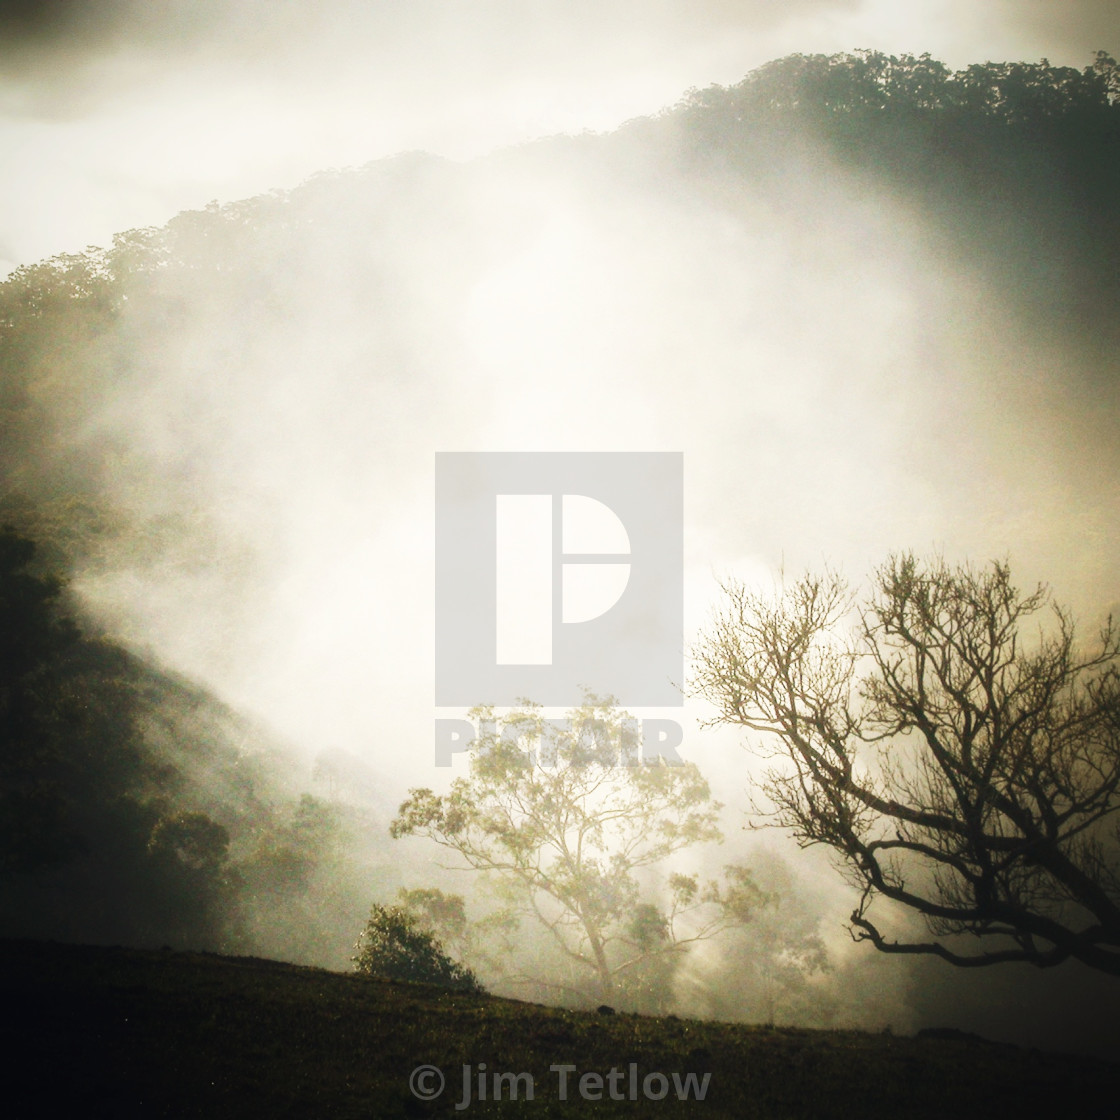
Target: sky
{"points": [[117, 114]]}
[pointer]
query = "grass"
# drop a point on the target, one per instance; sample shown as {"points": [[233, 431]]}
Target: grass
{"points": [[111, 1032]]}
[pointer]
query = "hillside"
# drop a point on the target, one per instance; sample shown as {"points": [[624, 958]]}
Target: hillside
{"points": [[164, 401], [137, 807], [870, 299], [116, 1032]]}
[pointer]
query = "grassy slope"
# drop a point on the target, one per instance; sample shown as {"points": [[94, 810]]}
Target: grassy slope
{"points": [[121, 1032]]}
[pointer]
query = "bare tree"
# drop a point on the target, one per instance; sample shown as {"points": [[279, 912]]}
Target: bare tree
{"points": [[950, 741]]}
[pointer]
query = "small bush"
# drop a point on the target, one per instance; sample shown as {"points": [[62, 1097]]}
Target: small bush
{"points": [[395, 946]]}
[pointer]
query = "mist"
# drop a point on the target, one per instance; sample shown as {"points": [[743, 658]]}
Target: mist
{"points": [[851, 367], [121, 113]]}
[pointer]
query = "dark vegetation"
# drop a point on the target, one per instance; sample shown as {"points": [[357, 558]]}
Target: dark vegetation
{"points": [[136, 808], [1018, 164], [183, 1034], [395, 945]]}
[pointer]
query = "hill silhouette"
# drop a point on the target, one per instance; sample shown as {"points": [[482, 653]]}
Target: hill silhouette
{"points": [[182, 1034]]}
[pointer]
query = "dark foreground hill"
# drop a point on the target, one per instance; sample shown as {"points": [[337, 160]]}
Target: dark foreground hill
{"points": [[117, 1032]]}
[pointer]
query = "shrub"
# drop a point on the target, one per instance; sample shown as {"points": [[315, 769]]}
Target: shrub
{"points": [[395, 946]]}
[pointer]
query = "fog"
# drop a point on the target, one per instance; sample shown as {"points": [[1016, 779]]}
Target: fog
{"points": [[837, 392], [843, 377]]}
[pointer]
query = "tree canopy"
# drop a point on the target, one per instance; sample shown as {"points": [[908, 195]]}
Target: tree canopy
{"points": [[396, 945], [568, 829]]}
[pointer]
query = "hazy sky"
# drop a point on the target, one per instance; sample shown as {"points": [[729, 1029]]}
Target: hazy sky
{"points": [[120, 113]]}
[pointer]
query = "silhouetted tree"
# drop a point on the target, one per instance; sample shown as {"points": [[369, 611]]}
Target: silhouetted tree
{"points": [[395, 945], [959, 763]]}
